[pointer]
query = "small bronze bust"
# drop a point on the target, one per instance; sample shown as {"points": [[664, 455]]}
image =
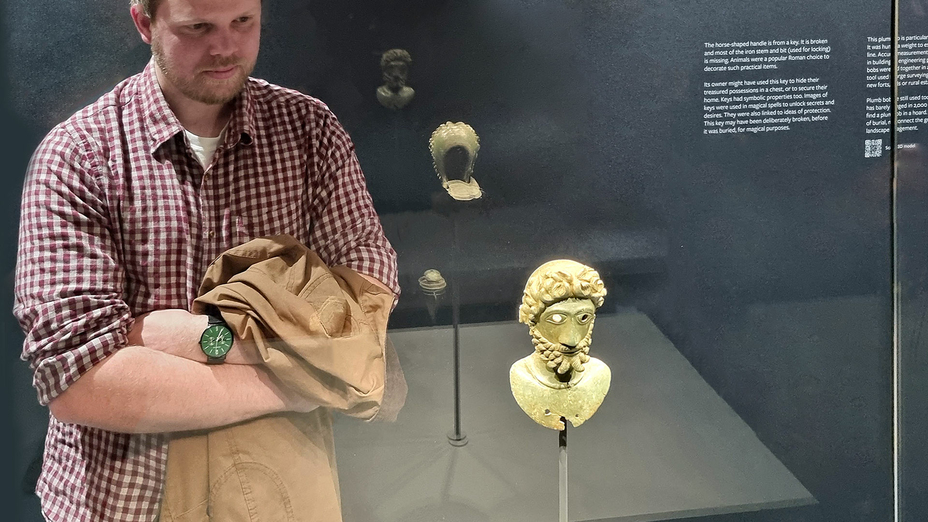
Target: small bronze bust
{"points": [[395, 94], [560, 379]]}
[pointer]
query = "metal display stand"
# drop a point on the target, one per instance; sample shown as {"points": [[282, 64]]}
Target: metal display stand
{"points": [[450, 208], [562, 472], [456, 437]]}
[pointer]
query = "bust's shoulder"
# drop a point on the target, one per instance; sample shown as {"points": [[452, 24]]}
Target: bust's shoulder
{"points": [[520, 368], [597, 370]]}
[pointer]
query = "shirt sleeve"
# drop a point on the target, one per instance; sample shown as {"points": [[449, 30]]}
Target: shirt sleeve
{"points": [[346, 229], [68, 282]]}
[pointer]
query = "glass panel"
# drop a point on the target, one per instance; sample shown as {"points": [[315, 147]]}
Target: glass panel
{"points": [[724, 166], [912, 248], [712, 162]]}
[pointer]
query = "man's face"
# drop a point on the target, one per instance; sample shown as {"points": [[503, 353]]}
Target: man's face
{"points": [[204, 49], [394, 73], [567, 323]]}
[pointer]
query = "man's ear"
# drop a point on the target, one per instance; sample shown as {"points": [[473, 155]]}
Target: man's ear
{"points": [[142, 22]]}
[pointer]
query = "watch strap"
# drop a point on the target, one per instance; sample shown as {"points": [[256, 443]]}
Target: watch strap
{"points": [[215, 360]]}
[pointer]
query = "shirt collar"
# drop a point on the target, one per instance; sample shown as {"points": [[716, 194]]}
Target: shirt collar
{"points": [[242, 125], [159, 119], [163, 124]]}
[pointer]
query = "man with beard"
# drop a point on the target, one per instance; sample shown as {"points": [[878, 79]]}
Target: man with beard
{"points": [[560, 379], [125, 205]]}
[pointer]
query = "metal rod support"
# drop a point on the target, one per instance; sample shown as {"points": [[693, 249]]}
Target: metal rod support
{"points": [[457, 436], [562, 475]]}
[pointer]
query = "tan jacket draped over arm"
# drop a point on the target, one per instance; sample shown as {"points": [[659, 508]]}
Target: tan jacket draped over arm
{"points": [[321, 332]]}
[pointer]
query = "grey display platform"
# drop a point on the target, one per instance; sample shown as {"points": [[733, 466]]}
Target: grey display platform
{"points": [[663, 444]]}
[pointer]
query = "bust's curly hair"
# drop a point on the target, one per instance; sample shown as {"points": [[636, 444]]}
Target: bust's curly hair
{"points": [[395, 55], [558, 280]]}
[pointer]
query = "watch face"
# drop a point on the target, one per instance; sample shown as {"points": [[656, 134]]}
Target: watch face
{"points": [[216, 340]]}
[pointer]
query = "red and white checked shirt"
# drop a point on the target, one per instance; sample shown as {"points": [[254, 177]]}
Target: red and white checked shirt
{"points": [[119, 218]]}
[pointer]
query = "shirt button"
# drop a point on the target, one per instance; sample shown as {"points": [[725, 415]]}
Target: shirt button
{"points": [[210, 234]]}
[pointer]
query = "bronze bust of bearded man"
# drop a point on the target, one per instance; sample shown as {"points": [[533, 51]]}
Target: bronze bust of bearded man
{"points": [[394, 93], [560, 379]]}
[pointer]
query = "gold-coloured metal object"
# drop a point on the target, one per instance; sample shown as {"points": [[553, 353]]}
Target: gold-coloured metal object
{"points": [[454, 149], [560, 379], [433, 286], [432, 282]]}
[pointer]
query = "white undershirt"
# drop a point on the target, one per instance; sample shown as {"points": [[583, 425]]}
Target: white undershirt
{"points": [[204, 148]]}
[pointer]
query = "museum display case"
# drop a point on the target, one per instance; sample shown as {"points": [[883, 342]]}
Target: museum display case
{"points": [[747, 181]]}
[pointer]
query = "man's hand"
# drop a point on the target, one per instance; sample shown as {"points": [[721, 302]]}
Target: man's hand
{"points": [[177, 332]]}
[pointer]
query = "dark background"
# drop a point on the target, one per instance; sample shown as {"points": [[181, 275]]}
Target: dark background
{"points": [[589, 114]]}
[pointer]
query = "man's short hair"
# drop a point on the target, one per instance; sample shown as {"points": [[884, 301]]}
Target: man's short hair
{"points": [[148, 6], [556, 281]]}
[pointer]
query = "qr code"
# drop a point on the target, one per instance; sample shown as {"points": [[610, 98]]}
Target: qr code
{"points": [[873, 148]]}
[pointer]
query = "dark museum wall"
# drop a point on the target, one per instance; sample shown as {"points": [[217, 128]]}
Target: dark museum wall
{"points": [[774, 278], [18, 406], [10, 494]]}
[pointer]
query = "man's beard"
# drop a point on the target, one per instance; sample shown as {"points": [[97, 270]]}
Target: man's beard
{"points": [[557, 361], [395, 84], [205, 90]]}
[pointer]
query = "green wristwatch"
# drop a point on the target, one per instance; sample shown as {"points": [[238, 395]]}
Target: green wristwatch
{"points": [[216, 340]]}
